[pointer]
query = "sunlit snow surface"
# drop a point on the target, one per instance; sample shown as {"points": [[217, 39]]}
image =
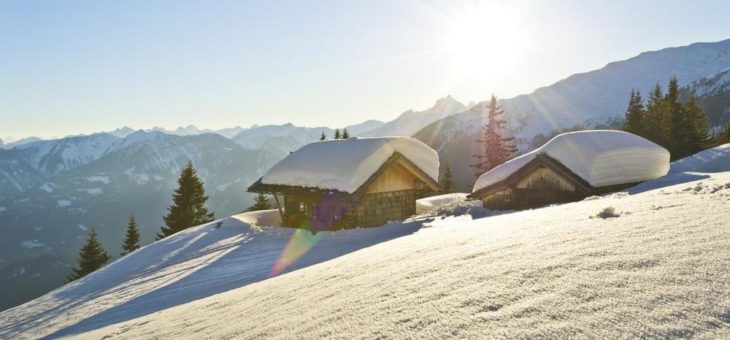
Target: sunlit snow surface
{"points": [[661, 268]]}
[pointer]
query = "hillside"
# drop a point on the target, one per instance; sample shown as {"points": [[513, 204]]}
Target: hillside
{"points": [[658, 269], [599, 95], [44, 224]]}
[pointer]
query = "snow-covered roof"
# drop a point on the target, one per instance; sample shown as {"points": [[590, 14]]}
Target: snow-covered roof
{"points": [[345, 165], [600, 157]]}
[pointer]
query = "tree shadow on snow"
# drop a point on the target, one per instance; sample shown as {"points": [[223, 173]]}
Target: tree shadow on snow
{"points": [[236, 268]]}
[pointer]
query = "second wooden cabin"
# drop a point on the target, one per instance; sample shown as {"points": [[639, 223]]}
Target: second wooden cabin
{"points": [[570, 167], [350, 183]]}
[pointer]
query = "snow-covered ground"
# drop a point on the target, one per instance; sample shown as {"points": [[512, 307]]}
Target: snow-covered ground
{"points": [[660, 267]]}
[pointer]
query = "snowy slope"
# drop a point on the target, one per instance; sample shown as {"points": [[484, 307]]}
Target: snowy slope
{"points": [[712, 94], [602, 94], [411, 121], [345, 165], [659, 269], [190, 265], [600, 157]]}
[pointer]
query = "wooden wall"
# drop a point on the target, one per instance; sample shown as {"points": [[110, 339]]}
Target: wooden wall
{"points": [[395, 178], [544, 178]]}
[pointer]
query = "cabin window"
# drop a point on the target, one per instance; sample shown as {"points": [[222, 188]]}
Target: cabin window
{"points": [[301, 207]]}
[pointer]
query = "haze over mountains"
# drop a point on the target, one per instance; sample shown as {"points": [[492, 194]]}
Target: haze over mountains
{"points": [[52, 191]]}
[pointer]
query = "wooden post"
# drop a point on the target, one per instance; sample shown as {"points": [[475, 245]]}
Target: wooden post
{"points": [[278, 206]]}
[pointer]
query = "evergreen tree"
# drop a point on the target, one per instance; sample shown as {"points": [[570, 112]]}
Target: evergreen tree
{"points": [[92, 256], [498, 147], [322, 137], [446, 185], [131, 241], [698, 130], [724, 136], [634, 114], [337, 134], [345, 134], [680, 126], [261, 202], [654, 122], [188, 204]]}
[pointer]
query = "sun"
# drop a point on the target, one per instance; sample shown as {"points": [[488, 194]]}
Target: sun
{"points": [[487, 41]]}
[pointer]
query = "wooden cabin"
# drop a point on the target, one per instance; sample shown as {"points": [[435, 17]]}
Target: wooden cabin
{"points": [[351, 183], [571, 167], [542, 181]]}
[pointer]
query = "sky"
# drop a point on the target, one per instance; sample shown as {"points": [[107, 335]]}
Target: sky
{"points": [[72, 67]]}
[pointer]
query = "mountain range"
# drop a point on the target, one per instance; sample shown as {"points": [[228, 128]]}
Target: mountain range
{"points": [[53, 191]]}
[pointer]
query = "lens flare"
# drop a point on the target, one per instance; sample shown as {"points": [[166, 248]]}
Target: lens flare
{"points": [[300, 243]]}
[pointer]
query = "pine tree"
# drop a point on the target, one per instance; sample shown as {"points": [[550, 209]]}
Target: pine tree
{"points": [[698, 131], [655, 123], [131, 241], [446, 185], [724, 136], [188, 204], [92, 256], [322, 137], [261, 202], [337, 134], [498, 148], [345, 134], [680, 126], [634, 114]]}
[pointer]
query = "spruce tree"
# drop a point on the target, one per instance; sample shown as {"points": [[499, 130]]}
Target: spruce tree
{"points": [[92, 256], [261, 202], [654, 122], [131, 241], [322, 137], [337, 134], [724, 136], [188, 204], [680, 126], [498, 147], [446, 185], [345, 134], [634, 114], [698, 131]]}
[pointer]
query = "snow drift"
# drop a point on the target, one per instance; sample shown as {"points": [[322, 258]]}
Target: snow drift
{"points": [[344, 165], [600, 157]]}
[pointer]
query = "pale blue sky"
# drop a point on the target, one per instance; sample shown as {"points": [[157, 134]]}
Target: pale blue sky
{"points": [[69, 67]]}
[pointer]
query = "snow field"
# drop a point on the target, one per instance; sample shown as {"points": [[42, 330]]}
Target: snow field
{"points": [[660, 269]]}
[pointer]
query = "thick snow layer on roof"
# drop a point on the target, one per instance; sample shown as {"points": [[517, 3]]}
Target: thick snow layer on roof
{"points": [[345, 165], [600, 157]]}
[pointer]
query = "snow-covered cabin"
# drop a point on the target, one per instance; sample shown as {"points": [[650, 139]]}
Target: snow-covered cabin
{"points": [[350, 183], [570, 167]]}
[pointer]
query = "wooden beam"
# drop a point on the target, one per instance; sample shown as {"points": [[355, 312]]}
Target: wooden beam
{"points": [[278, 206]]}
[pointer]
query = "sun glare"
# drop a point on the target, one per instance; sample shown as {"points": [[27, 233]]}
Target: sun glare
{"points": [[487, 42]]}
